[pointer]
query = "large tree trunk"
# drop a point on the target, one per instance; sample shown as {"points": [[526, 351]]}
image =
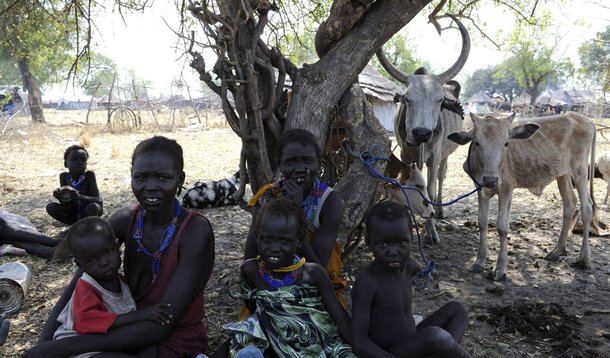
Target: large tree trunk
{"points": [[253, 73], [34, 95], [319, 87], [358, 188]]}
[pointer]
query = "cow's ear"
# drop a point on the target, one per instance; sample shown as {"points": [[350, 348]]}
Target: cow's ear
{"points": [[461, 138], [524, 131]]}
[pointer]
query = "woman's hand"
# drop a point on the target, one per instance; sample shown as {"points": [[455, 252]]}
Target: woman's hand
{"points": [[159, 313], [295, 191]]}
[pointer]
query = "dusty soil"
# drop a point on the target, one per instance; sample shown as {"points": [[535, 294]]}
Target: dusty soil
{"points": [[543, 309]]}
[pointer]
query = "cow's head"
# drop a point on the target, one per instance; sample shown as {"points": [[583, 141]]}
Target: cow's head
{"points": [[491, 138], [419, 113]]}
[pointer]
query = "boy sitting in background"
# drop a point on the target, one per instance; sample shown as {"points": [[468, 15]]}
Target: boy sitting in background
{"points": [[101, 299], [78, 194], [382, 318]]}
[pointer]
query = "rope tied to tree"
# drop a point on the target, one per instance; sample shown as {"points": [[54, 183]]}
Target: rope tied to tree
{"points": [[374, 154]]}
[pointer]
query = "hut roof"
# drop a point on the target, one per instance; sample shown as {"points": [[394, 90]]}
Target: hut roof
{"points": [[481, 97], [554, 98], [581, 96], [524, 98], [374, 84]]}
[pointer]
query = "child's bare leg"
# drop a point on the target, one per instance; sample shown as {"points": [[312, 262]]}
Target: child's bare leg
{"points": [[61, 213], [452, 317], [430, 341], [437, 335], [35, 249], [10, 236], [93, 209]]}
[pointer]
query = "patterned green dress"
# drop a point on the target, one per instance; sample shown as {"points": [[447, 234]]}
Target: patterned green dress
{"points": [[291, 321]]}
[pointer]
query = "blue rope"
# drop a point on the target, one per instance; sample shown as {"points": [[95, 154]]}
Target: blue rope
{"points": [[373, 155]]}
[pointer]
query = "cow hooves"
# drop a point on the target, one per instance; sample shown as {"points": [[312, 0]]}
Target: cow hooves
{"points": [[581, 265], [499, 276], [432, 241], [476, 268], [554, 256]]}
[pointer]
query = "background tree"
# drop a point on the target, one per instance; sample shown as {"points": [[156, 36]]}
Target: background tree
{"points": [[36, 37], [493, 81], [46, 39], [98, 76], [533, 63], [595, 60]]}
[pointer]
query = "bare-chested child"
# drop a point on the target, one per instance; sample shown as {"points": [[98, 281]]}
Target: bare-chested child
{"points": [[101, 299], [78, 194], [293, 301], [382, 318]]}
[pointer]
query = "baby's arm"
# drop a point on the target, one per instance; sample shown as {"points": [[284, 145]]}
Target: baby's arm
{"points": [[157, 313], [363, 294], [318, 276]]}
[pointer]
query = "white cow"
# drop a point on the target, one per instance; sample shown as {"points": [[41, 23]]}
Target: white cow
{"points": [[531, 153], [425, 117]]}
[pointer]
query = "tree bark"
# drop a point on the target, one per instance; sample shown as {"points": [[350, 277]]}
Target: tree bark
{"points": [[345, 42], [34, 95], [358, 188], [319, 87]]}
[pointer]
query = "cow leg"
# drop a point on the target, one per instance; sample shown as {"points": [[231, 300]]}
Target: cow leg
{"points": [[432, 163], [442, 173], [479, 264], [607, 192], [586, 208], [569, 207], [504, 202]]}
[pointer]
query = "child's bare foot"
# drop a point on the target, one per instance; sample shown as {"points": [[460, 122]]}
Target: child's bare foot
{"points": [[61, 251]]}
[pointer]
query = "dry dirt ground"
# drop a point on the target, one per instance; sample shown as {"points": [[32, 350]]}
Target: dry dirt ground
{"points": [[543, 309]]}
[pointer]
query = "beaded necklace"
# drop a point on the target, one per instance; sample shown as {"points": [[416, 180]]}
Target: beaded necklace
{"points": [[294, 271], [311, 202], [166, 238], [78, 183]]}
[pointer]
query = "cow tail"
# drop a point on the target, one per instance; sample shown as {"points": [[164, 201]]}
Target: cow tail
{"points": [[592, 165]]}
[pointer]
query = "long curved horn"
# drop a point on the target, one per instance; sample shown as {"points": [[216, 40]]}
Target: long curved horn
{"points": [[392, 70], [457, 66]]}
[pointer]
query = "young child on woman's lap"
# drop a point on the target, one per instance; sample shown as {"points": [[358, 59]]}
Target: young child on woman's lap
{"points": [[101, 299]]}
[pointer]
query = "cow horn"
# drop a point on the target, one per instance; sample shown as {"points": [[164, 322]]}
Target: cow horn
{"points": [[457, 66], [392, 70]]}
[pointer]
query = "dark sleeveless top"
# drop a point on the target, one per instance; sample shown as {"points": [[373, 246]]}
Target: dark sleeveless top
{"points": [[189, 334]]}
